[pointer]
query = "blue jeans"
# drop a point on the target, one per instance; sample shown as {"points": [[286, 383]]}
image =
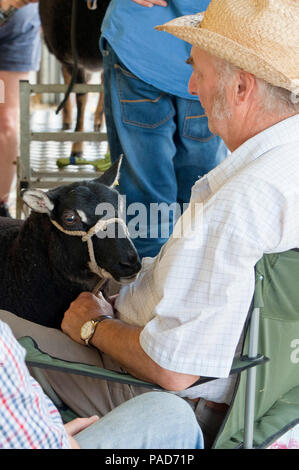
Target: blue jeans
{"points": [[20, 43], [166, 143], [154, 420]]}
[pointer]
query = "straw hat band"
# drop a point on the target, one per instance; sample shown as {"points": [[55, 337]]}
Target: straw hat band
{"points": [[260, 36], [239, 56]]}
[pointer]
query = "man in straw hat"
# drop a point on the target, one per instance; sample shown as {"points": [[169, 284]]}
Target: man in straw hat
{"points": [[183, 318]]}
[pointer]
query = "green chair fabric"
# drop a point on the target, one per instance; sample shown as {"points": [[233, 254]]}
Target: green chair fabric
{"points": [[277, 381]]}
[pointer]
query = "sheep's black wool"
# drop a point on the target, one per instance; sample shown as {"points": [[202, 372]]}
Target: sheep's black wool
{"points": [[34, 278], [42, 270]]}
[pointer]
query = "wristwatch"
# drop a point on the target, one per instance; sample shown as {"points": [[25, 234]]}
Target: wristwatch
{"points": [[88, 328]]}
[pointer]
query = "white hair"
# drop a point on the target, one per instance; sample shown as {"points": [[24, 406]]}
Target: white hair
{"points": [[271, 98], [276, 99]]}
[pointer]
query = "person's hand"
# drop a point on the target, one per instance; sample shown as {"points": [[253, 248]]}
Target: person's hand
{"points": [[77, 425], [5, 4], [112, 300], [86, 307], [151, 3]]}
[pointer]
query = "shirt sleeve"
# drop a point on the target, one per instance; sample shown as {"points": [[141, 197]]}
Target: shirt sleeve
{"points": [[28, 419], [206, 285]]}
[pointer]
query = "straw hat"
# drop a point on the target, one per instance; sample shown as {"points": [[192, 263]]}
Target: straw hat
{"points": [[259, 36]]}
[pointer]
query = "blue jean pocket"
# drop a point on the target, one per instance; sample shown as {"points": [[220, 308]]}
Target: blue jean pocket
{"points": [[141, 104], [196, 123]]}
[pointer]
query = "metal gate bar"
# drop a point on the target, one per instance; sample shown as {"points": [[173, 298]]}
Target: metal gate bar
{"points": [[29, 177]]}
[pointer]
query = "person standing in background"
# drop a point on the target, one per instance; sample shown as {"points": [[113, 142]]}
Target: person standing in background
{"points": [[151, 118], [19, 54]]}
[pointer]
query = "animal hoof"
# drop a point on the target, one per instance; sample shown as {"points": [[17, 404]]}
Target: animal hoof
{"points": [[77, 154], [66, 126], [98, 123]]}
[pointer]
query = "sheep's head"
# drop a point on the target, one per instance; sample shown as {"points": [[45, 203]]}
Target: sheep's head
{"points": [[91, 208]]}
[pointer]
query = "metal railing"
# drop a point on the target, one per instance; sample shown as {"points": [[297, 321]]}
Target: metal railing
{"points": [[26, 176]]}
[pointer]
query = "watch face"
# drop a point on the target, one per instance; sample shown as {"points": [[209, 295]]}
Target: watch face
{"points": [[87, 330]]}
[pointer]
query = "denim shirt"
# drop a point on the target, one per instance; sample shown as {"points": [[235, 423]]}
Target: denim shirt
{"points": [[157, 58]]}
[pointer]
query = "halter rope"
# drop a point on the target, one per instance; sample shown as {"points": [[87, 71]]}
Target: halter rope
{"points": [[86, 237]]}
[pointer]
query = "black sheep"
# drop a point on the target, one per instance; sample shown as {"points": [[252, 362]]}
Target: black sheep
{"points": [[43, 269]]}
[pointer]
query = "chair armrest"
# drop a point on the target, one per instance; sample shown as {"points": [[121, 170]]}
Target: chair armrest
{"points": [[37, 358], [240, 363]]}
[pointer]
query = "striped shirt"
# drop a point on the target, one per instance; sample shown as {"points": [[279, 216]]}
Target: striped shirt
{"points": [[28, 419], [193, 298]]}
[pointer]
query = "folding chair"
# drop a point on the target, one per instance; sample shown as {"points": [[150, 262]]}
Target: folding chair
{"points": [[266, 398]]}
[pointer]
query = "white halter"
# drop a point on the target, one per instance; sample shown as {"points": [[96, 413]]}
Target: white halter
{"points": [[86, 237]]}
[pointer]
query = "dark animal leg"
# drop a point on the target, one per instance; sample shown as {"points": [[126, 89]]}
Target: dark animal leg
{"points": [[81, 100], [99, 117], [67, 109]]}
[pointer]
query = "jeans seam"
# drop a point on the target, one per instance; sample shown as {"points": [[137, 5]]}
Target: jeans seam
{"points": [[199, 139], [146, 100], [126, 72], [149, 126], [188, 117], [196, 117]]}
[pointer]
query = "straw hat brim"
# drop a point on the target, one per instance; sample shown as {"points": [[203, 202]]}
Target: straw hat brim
{"points": [[190, 31]]}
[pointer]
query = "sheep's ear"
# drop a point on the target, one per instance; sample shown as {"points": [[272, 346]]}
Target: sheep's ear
{"points": [[37, 200], [111, 176]]}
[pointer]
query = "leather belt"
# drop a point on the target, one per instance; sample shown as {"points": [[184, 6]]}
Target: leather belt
{"points": [[221, 407]]}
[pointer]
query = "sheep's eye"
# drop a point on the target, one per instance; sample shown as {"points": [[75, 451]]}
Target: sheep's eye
{"points": [[69, 217]]}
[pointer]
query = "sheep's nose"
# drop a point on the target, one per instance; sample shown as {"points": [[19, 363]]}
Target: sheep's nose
{"points": [[130, 259]]}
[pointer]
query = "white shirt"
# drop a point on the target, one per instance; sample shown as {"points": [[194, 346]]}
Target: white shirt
{"points": [[193, 298]]}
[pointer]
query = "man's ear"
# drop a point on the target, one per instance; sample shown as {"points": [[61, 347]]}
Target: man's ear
{"points": [[37, 200], [246, 85], [111, 176]]}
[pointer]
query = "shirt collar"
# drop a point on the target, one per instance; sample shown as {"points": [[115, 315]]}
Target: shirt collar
{"points": [[281, 133]]}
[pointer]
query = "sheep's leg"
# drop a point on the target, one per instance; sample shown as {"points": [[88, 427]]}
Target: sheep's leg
{"points": [[99, 116], [67, 109]]}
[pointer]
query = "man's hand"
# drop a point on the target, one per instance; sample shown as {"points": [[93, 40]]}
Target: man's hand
{"points": [[77, 425], [86, 307], [151, 3], [5, 4], [112, 300]]}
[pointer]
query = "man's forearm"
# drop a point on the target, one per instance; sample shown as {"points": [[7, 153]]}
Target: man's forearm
{"points": [[151, 3], [5, 4], [121, 341]]}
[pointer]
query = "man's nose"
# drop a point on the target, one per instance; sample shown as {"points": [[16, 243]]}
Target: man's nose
{"points": [[192, 86]]}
